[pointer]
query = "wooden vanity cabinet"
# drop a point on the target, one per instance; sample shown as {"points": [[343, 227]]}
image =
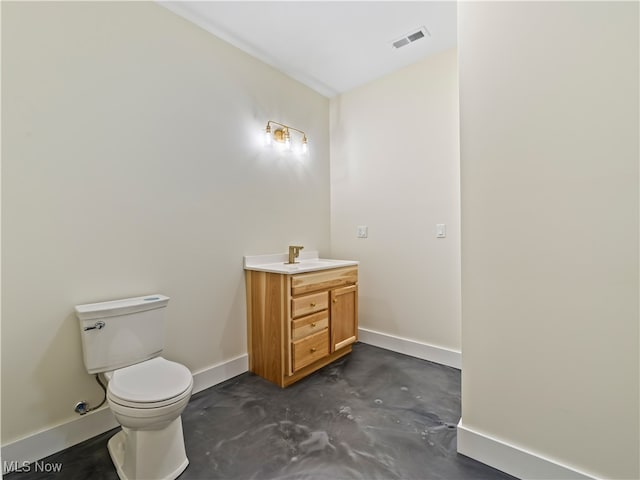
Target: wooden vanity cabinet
{"points": [[299, 323]]}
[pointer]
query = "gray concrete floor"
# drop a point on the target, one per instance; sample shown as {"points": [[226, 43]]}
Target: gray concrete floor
{"points": [[374, 414]]}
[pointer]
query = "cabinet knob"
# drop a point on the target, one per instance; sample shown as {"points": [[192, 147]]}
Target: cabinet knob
{"points": [[313, 304], [312, 350], [313, 325], [335, 300]]}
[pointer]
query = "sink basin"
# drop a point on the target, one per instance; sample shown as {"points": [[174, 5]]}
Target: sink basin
{"points": [[309, 262], [312, 264]]}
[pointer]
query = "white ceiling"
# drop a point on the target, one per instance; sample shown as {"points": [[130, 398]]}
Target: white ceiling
{"points": [[330, 46]]}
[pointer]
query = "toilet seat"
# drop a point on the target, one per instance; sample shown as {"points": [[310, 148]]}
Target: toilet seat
{"points": [[153, 383]]}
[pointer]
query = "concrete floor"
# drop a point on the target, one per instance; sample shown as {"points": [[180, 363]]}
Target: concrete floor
{"points": [[374, 414]]}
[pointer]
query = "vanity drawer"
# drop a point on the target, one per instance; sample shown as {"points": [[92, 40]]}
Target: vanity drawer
{"points": [[309, 325], [309, 304], [323, 280], [309, 349]]}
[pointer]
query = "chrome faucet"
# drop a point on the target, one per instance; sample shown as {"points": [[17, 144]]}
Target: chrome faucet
{"points": [[294, 251]]}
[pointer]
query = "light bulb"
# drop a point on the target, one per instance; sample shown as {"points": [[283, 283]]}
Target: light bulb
{"points": [[287, 139], [267, 135], [305, 147]]}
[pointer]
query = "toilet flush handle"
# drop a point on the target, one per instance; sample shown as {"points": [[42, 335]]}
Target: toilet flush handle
{"points": [[98, 326]]}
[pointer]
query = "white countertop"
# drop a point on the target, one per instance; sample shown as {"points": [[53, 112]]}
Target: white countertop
{"points": [[308, 262]]}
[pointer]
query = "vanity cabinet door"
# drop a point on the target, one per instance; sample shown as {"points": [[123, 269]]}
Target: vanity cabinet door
{"points": [[344, 316]]}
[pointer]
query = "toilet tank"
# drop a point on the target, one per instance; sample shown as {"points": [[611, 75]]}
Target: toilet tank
{"points": [[119, 333]]}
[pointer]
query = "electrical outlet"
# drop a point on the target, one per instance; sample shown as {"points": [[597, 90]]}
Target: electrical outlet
{"points": [[363, 231]]}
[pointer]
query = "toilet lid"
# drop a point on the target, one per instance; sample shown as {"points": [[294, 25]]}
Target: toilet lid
{"points": [[150, 381]]}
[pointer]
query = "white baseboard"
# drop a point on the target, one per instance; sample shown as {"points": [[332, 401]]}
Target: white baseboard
{"points": [[511, 459], [47, 442], [444, 356], [210, 376]]}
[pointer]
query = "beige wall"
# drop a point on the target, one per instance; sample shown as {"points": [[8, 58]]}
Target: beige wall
{"points": [[132, 165], [395, 169], [549, 183]]}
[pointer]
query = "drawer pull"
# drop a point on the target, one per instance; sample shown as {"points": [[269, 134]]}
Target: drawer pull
{"points": [[313, 325], [312, 350], [313, 304]]}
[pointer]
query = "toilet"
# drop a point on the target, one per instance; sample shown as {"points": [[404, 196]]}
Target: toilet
{"points": [[122, 341]]}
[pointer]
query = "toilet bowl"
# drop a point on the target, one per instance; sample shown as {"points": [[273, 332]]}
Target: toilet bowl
{"points": [[147, 399], [122, 341], [149, 395]]}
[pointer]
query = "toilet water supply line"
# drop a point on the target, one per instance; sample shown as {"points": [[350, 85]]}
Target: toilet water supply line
{"points": [[83, 407]]}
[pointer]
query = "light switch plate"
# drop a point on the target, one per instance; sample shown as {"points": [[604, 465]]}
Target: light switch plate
{"points": [[441, 230], [363, 231]]}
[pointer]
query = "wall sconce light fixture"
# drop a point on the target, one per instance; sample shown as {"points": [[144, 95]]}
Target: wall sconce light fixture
{"points": [[282, 135]]}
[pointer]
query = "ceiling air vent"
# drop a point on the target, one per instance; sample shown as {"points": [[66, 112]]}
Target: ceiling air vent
{"points": [[411, 37]]}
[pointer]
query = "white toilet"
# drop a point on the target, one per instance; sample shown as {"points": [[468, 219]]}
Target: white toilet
{"points": [[123, 340]]}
